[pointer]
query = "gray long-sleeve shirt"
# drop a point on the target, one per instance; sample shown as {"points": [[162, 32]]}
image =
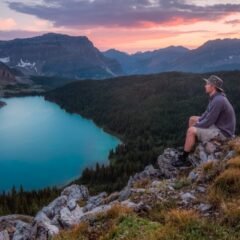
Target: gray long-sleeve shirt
{"points": [[219, 112]]}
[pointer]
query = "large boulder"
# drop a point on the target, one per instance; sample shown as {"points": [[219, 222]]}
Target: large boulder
{"points": [[22, 232], [212, 150], [75, 192], [63, 212], [15, 225], [95, 201], [149, 173], [165, 161], [4, 235]]}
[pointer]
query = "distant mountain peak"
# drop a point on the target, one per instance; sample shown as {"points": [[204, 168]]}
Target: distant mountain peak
{"points": [[56, 54], [115, 51], [177, 47], [220, 42], [59, 35]]}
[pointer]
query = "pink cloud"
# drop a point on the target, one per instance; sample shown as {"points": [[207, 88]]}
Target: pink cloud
{"points": [[7, 23], [123, 13]]}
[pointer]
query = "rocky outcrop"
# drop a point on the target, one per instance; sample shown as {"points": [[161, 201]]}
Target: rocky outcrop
{"points": [[14, 83], [143, 190], [6, 75], [209, 151], [15, 226], [2, 104]]}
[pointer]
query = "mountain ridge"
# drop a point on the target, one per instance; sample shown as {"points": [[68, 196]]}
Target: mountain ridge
{"points": [[80, 59], [40, 56], [213, 55]]}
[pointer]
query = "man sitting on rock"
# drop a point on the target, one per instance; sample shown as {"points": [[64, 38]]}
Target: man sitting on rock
{"points": [[217, 122]]}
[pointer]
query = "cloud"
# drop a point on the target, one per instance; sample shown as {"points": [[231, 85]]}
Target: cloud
{"points": [[233, 22], [231, 34], [7, 23], [12, 34], [122, 13]]}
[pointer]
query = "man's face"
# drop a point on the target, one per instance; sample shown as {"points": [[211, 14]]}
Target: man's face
{"points": [[209, 88]]}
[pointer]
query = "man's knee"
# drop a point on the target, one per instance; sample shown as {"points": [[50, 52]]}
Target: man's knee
{"points": [[192, 130], [193, 120]]}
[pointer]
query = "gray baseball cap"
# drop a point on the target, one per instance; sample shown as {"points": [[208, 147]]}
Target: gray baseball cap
{"points": [[215, 81]]}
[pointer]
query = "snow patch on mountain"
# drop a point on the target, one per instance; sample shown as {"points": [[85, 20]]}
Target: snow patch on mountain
{"points": [[109, 71], [26, 64], [5, 60]]}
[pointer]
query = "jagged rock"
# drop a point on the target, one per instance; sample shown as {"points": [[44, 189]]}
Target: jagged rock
{"points": [[204, 207], [23, 231], [156, 183], [165, 161], [192, 176], [95, 201], [208, 151], [41, 216], [202, 154], [67, 219], [138, 190], [230, 154], [4, 235], [78, 212], [201, 189], [148, 172], [42, 227], [72, 204], [62, 212], [43, 230], [210, 147], [91, 215], [55, 206], [10, 223], [187, 197], [75, 192], [135, 206], [112, 197], [126, 192]]}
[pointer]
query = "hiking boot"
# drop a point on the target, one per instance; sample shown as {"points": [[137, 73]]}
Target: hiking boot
{"points": [[182, 162], [185, 163]]}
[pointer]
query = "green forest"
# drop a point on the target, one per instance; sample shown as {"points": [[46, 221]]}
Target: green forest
{"points": [[148, 113]]}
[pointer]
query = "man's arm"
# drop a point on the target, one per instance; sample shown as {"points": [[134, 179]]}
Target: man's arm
{"points": [[203, 116], [211, 116]]}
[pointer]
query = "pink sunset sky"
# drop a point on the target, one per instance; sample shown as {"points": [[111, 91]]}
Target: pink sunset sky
{"points": [[130, 26]]}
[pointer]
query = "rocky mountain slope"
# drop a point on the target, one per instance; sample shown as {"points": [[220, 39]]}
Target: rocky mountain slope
{"points": [[215, 55], [7, 75], [56, 54], [14, 83], [161, 202], [147, 62]]}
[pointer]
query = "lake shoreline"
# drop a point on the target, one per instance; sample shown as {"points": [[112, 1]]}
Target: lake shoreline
{"points": [[103, 127], [100, 142]]}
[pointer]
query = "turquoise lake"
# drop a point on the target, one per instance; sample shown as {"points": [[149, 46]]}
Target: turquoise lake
{"points": [[42, 145]]}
